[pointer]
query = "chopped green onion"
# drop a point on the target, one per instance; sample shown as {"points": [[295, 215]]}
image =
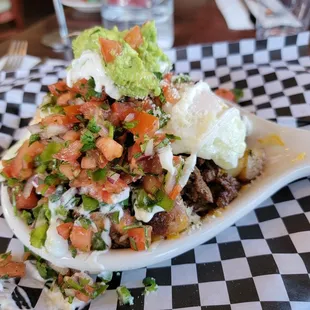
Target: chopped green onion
{"points": [[92, 126], [115, 217], [150, 285], [74, 284], [132, 226], [172, 137], [51, 180], [99, 291], [111, 131], [130, 125], [51, 149], [124, 296], [62, 211], [89, 203], [137, 155], [5, 255]]}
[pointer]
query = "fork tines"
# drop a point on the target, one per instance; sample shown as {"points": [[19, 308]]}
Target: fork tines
{"points": [[15, 55]]}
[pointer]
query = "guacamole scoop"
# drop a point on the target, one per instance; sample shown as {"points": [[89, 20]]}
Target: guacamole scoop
{"points": [[134, 72]]}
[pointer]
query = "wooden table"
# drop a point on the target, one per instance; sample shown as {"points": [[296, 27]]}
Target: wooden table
{"points": [[196, 21]]}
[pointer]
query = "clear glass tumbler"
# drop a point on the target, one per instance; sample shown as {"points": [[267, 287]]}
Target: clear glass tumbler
{"points": [[281, 17], [127, 13]]}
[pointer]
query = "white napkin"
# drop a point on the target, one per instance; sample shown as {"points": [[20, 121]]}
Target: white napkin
{"points": [[281, 15], [235, 13], [27, 63]]}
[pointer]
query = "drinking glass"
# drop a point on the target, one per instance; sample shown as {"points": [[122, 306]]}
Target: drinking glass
{"points": [[281, 17], [127, 13]]}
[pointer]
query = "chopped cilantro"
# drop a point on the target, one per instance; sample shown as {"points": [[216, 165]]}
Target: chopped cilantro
{"points": [[162, 97], [51, 180], [91, 90], [181, 78], [45, 271], [12, 182], [73, 251], [5, 255], [238, 93], [97, 243], [92, 126], [33, 138], [88, 141], [159, 75], [62, 211]]}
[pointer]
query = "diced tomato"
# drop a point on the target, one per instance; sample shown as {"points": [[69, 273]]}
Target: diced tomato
{"points": [[64, 98], [140, 238], [91, 109], [171, 93], [151, 184], [126, 220], [45, 190], [88, 163], [71, 135], [58, 88], [5, 261], [101, 161], [56, 119], [89, 289], [71, 111], [146, 124], [13, 269], [81, 87], [168, 77], [175, 192], [110, 49], [70, 171], [134, 37], [115, 188], [26, 203], [120, 110], [70, 153], [133, 150], [64, 230], [106, 197], [226, 94], [20, 167], [81, 238], [81, 296], [81, 180], [109, 148]]}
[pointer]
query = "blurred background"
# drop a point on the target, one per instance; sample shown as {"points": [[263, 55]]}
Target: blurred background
{"points": [[46, 25]]}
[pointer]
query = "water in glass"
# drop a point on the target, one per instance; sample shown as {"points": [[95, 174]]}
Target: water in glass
{"points": [[127, 13]]}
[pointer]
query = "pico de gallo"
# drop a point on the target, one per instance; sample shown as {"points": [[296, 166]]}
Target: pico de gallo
{"points": [[98, 170]]}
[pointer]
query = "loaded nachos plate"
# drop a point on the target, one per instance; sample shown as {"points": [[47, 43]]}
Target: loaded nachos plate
{"points": [[127, 165]]}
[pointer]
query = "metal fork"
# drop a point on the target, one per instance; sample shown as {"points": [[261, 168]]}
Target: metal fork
{"points": [[15, 55]]}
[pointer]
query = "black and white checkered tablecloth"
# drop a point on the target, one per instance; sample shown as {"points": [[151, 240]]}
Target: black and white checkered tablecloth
{"points": [[261, 262]]}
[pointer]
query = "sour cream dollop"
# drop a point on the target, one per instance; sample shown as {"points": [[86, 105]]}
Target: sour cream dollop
{"points": [[207, 126], [88, 65]]}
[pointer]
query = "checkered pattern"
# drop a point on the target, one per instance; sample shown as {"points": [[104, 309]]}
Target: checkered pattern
{"points": [[260, 263]]}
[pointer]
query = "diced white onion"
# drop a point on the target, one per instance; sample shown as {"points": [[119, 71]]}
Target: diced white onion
{"points": [[54, 130], [129, 117], [36, 128], [29, 186], [69, 292], [149, 149]]}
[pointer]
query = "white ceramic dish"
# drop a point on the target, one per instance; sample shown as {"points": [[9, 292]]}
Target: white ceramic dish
{"points": [[283, 166], [82, 6]]}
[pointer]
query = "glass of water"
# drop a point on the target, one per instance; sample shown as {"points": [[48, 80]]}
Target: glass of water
{"points": [[127, 13], [280, 17]]}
